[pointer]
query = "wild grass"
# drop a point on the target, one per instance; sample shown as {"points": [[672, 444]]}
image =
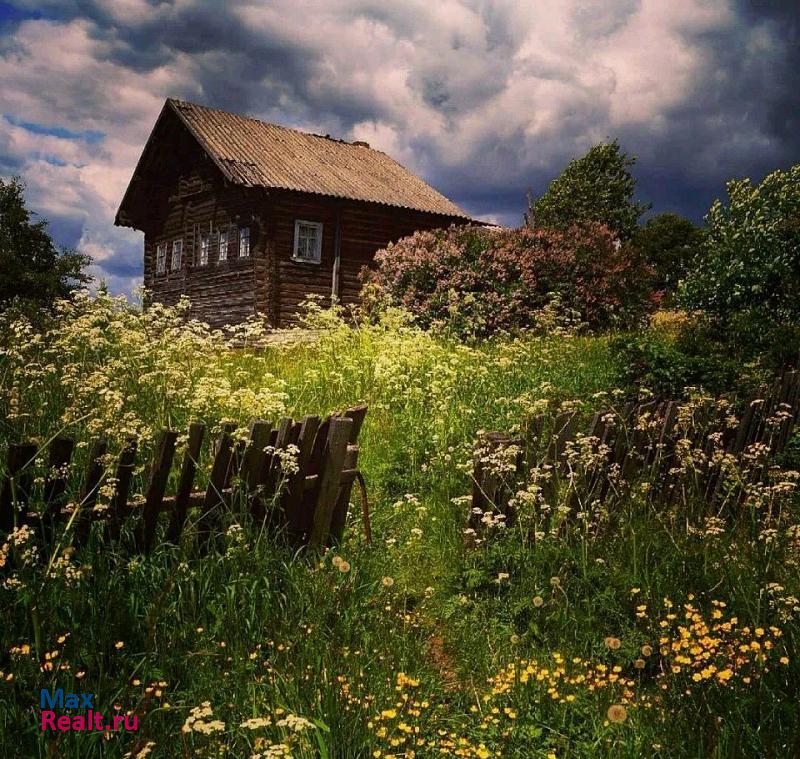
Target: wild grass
{"points": [[425, 643]]}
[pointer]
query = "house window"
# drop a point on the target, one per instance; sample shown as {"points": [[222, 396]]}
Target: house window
{"points": [[224, 242], [161, 258], [244, 242], [205, 247], [177, 255], [307, 241]]}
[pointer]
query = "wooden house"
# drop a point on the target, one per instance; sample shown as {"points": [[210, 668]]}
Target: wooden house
{"points": [[247, 217]]}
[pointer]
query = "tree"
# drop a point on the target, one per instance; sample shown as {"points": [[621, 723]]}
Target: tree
{"points": [[747, 274], [595, 188], [668, 242], [31, 266]]}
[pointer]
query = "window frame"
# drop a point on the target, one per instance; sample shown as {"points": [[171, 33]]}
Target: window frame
{"points": [[239, 238], [318, 226], [177, 245], [205, 242], [161, 258], [226, 233]]}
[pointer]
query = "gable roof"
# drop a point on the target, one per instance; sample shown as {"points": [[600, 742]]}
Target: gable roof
{"points": [[254, 153]]}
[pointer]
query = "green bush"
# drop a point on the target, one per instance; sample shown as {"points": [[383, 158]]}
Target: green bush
{"points": [[746, 275]]}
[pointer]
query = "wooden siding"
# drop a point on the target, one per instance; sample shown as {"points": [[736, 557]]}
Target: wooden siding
{"points": [[269, 281], [364, 229]]}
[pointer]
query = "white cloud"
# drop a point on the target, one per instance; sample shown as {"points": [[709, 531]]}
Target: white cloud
{"points": [[482, 97]]}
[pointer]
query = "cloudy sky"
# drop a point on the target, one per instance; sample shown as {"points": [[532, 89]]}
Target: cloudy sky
{"points": [[483, 98]]}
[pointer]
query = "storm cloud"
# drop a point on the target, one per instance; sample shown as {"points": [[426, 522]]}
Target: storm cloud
{"points": [[485, 100]]}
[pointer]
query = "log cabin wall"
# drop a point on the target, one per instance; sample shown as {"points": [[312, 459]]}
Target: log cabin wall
{"points": [[269, 280], [364, 228], [220, 291]]}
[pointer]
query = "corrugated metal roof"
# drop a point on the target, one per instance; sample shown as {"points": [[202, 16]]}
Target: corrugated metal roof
{"points": [[254, 153]]}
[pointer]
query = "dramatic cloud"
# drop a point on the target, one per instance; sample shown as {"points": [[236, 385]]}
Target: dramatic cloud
{"points": [[483, 99]]}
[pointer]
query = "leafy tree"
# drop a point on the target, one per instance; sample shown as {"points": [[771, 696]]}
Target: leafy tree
{"points": [[31, 267], [747, 274], [668, 242], [595, 188]]}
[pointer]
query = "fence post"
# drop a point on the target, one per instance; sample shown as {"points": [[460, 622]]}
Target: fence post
{"points": [[329, 479], [493, 475]]}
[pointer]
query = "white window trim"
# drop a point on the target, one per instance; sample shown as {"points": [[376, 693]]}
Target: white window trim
{"points": [[318, 226], [205, 237], [176, 244], [161, 260], [239, 253], [226, 235]]}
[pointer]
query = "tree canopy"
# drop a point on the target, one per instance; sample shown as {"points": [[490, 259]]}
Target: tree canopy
{"points": [[668, 242], [598, 187], [748, 268], [31, 266]]}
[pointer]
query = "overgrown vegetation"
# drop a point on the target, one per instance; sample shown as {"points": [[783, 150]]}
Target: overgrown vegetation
{"points": [[625, 632], [475, 281]]}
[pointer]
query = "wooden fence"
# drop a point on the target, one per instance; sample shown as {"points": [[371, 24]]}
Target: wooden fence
{"points": [[634, 443], [310, 503]]}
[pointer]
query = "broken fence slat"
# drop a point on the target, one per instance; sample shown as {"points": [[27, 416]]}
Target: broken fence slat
{"points": [[16, 485], [215, 497], [339, 517], [159, 474], [183, 494], [91, 486], [55, 485], [119, 509], [330, 474]]}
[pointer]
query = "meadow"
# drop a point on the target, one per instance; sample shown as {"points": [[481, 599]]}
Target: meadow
{"points": [[635, 631]]}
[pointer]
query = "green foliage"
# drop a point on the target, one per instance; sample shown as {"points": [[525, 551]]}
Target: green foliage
{"points": [[598, 188], [668, 243], [478, 282], [31, 267], [414, 638], [666, 364], [747, 274]]}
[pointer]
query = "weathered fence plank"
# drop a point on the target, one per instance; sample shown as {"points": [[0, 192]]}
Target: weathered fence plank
{"points": [[329, 477], [159, 474], [214, 499], [184, 491]]}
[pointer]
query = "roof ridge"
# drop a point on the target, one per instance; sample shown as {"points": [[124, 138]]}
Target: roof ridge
{"points": [[341, 141]]}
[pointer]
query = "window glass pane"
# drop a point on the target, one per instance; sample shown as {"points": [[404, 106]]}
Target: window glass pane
{"points": [[223, 245], [205, 246], [244, 242], [177, 255], [309, 241], [161, 258]]}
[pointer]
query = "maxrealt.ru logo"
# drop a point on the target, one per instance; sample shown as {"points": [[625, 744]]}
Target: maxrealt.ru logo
{"points": [[89, 720]]}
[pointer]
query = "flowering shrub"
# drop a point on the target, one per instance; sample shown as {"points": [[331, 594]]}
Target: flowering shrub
{"points": [[99, 366], [479, 281]]}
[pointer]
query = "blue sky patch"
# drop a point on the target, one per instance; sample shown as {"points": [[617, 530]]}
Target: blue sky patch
{"points": [[90, 136]]}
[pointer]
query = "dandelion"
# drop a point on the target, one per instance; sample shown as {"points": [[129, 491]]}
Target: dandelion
{"points": [[538, 601], [555, 581], [344, 566], [613, 643], [387, 582], [646, 650], [617, 713], [119, 645], [336, 561]]}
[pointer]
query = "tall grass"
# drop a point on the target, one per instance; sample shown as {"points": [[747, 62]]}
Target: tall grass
{"points": [[423, 644]]}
